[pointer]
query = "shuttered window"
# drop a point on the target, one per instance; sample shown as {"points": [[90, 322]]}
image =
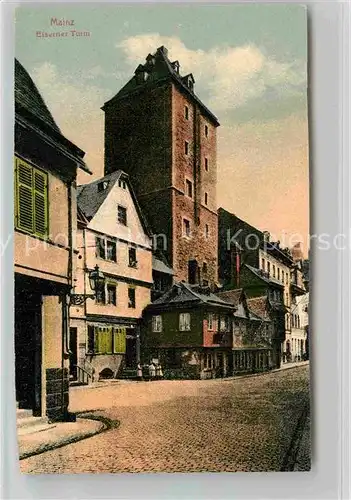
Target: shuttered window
{"points": [[31, 198], [119, 340]]}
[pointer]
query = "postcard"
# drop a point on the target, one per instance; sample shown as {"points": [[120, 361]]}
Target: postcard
{"points": [[161, 238]]}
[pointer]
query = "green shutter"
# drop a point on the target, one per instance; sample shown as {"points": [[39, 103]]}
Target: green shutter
{"points": [[119, 339], [40, 205], [24, 199], [31, 195]]}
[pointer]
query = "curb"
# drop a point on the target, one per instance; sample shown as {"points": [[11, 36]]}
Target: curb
{"points": [[268, 372], [107, 424]]}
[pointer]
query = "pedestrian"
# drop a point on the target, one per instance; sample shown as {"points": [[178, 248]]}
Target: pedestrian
{"points": [[152, 370], [139, 372], [159, 373]]}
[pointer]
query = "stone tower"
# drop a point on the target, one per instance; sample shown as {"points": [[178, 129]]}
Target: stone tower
{"points": [[160, 133]]}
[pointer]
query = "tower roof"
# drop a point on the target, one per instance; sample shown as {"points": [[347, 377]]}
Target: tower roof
{"points": [[158, 69]]}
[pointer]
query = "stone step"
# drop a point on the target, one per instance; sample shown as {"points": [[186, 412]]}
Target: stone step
{"points": [[39, 426], [22, 413], [31, 421]]}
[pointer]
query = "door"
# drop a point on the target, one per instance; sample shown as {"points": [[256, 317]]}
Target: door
{"points": [[28, 335], [73, 358], [131, 351]]}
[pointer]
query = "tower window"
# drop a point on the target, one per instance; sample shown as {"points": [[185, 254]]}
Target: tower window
{"points": [[207, 231], [189, 188], [206, 198], [206, 164], [186, 147], [206, 130], [186, 112], [186, 227]]}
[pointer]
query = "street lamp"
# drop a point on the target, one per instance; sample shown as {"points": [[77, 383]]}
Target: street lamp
{"points": [[96, 281]]}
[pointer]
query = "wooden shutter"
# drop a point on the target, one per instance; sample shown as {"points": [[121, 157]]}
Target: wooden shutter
{"points": [[40, 206], [24, 198], [31, 199], [119, 340]]}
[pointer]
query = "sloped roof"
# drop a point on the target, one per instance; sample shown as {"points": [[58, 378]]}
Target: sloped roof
{"points": [[258, 306], [159, 68], [183, 294], [28, 96], [90, 199], [32, 113], [232, 296], [160, 266], [263, 276]]}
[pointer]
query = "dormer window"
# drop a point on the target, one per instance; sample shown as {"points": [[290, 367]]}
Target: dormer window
{"points": [[175, 66], [189, 81], [102, 186]]}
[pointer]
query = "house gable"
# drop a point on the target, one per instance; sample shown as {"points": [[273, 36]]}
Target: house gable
{"points": [[106, 221]]}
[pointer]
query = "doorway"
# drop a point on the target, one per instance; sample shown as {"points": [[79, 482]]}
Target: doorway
{"points": [[131, 353], [73, 357], [28, 340]]}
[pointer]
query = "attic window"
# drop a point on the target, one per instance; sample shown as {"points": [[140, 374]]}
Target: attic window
{"points": [[102, 186], [190, 84], [142, 76], [175, 66], [122, 184]]}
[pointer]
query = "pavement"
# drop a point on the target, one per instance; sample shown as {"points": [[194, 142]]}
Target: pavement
{"points": [[220, 425]]}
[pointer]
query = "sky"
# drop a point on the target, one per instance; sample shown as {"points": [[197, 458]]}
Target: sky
{"points": [[250, 67]]}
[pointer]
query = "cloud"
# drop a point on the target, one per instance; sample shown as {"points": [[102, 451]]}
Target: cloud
{"points": [[75, 107], [229, 76]]}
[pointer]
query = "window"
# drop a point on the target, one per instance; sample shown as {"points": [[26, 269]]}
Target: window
{"points": [[184, 322], [204, 267], [111, 250], [186, 147], [100, 248], [268, 267], [186, 112], [32, 199], [157, 324], [278, 271], [207, 231], [132, 257], [206, 164], [287, 278], [211, 321], [263, 264], [206, 130], [206, 198], [189, 188], [111, 295], [273, 271], [100, 296], [283, 276], [106, 340], [131, 298], [122, 215], [105, 249], [122, 184], [102, 186], [186, 228]]}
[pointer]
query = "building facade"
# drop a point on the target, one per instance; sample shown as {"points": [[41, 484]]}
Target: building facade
{"points": [[44, 241], [189, 331], [164, 137], [113, 235]]}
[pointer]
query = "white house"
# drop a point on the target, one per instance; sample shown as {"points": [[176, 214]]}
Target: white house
{"points": [[113, 235]]}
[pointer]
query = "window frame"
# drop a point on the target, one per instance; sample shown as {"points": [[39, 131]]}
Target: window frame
{"points": [[188, 183], [206, 164], [184, 322], [186, 112], [206, 131], [109, 286], [132, 301], [131, 263], [123, 223], [186, 148], [157, 323], [185, 234]]}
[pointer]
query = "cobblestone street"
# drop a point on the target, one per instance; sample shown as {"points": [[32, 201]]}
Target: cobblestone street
{"points": [[257, 423]]}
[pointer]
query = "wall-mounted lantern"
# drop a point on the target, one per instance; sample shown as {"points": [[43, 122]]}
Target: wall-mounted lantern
{"points": [[96, 281]]}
